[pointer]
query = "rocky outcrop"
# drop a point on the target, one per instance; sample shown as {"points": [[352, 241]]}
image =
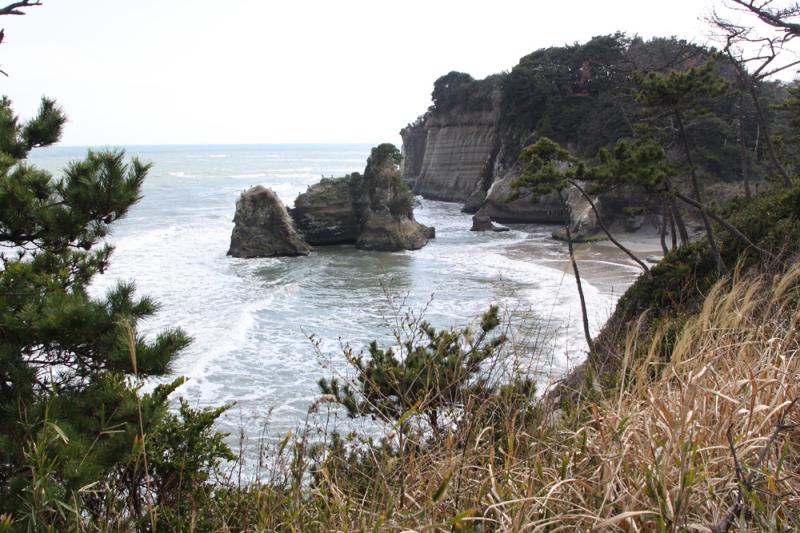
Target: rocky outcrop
{"points": [[327, 213], [385, 232], [503, 204], [466, 147], [413, 151], [482, 222], [263, 228], [374, 211], [455, 157]]}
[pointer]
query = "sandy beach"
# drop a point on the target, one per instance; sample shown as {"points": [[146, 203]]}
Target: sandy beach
{"points": [[601, 263]]}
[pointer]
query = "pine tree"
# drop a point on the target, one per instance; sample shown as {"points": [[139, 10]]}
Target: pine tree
{"points": [[676, 94], [70, 416], [544, 172]]}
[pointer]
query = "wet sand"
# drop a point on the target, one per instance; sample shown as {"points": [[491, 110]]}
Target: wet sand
{"points": [[601, 263]]}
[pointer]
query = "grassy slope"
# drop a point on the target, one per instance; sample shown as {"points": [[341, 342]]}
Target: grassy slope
{"points": [[688, 367]]}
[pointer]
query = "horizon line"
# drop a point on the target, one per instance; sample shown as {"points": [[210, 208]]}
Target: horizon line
{"points": [[93, 145]]}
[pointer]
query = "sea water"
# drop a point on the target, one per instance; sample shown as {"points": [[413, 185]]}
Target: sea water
{"points": [[266, 330]]}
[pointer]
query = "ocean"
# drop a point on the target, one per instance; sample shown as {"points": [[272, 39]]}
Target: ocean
{"points": [[266, 330]]}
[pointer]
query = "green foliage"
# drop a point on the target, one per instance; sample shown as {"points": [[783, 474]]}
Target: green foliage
{"points": [[677, 285], [544, 167], [639, 161], [74, 430], [379, 155], [457, 91], [433, 372], [575, 94], [679, 90], [787, 138]]}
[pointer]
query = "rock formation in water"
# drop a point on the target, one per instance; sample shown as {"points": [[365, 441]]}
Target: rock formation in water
{"points": [[481, 221], [374, 211], [328, 212], [263, 228], [455, 153]]}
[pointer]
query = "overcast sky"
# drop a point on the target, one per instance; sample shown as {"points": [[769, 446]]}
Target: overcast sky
{"points": [[258, 71]]}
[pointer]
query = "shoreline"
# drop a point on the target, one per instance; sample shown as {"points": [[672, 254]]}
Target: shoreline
{"points": [[601, 263]]}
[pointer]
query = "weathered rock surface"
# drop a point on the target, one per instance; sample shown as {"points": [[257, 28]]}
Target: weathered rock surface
{"points": [[475, 201], [327, 213], [263, 228], [447, 156], [385, 232], [482, 222], [374, 211], [502, 205], [466, 147]]}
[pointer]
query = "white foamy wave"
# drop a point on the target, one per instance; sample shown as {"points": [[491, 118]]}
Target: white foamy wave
{"points": [[182, 175], [218, 156], [249, 175], [293, 175]]}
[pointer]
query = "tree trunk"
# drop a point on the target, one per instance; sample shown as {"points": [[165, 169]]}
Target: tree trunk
{"points": [[743, 152], [712, 244], [773, 157], [575, 271], [663, 232], [678, 220], [672, 231], [605, 229]]}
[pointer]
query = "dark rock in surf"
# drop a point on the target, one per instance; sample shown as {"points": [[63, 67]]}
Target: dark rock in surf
{"points": [[263, 228]]}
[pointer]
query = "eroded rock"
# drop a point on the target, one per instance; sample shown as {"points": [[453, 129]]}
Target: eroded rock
{"points": [[263, 227], [481, 221], [374, 211]]}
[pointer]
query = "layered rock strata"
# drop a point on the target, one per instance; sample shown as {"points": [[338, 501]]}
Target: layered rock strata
{"points": [[448, 156]]}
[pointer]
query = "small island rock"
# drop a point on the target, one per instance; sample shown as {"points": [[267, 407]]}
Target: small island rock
{"points": [[263, 228], [481, 221]]}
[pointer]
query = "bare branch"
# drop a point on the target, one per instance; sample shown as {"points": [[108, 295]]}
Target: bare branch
{"points": [[15, 8], [747, 482], [775, 17]]}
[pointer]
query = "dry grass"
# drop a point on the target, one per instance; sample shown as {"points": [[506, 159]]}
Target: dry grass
{"points": [[706, 441], [682, 445]]}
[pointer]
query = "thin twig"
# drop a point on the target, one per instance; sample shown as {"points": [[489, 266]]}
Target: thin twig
{"points": [[733, 511]]}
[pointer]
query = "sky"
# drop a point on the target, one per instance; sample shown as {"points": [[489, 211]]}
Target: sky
{"points": [[130, 72]]}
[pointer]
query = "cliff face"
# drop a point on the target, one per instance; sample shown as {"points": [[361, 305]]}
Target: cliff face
{"points": [[458, 153], [449, 153], [456, 157], [465, 148], [415, 138]]}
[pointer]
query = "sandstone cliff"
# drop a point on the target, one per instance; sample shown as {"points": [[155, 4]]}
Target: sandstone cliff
{"points": [[465, 147], [459, 152], [450, 153]]}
